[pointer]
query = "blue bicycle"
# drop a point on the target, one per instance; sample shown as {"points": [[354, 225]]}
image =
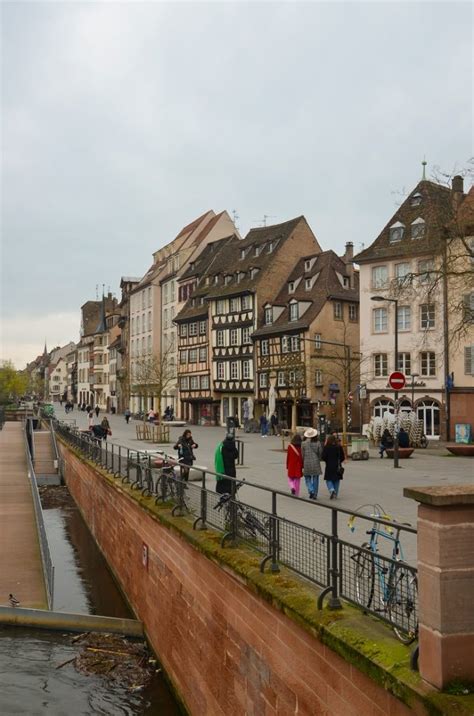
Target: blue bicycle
{"points": [[392, 582]]}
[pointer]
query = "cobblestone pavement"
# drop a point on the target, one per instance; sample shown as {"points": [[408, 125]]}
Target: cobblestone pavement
{"points": [[364, 482]]}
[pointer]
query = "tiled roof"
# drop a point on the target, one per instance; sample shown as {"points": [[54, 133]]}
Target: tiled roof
{"points": [[466, 212], [326, 286], [193, 225], [435, 209]]}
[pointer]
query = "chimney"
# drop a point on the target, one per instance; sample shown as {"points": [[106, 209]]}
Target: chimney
{"points": [[458, 184], [348, 260]]}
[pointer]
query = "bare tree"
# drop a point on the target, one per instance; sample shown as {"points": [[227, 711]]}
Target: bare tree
{"points": [[152, 375]]}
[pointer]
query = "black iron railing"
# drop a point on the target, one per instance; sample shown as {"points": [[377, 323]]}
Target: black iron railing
{"points": [[361, 574]]}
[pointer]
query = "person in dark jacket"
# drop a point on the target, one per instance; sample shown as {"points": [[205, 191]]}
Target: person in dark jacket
{"points": [[386, 441], [403, 439], [333, 455], [97, 410], [225, 456], [98, 432], [185, 446]]}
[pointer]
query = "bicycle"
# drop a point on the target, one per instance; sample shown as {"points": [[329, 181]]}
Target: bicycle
{"points": [[397, 581], [244, 519], [173, 486]]}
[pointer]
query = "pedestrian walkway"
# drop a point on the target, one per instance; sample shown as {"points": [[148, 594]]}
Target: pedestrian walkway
{"points": [[21, 570]]}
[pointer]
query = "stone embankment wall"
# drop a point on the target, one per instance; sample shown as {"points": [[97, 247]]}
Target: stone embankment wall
{"points": [[228, 646]]}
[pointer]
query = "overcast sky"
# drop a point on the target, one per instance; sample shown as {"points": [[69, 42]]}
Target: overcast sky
{"points": [[123, 122]]}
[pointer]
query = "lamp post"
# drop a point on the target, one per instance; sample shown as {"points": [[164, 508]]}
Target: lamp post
{"points": [[395, 442], [413, 383]]}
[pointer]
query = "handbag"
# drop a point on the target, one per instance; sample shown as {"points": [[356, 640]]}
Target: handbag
{"points": [[340, 470]]}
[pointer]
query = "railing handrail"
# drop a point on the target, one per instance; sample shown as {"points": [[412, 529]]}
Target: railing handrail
{"points": [[55, 444], [46, 560]]}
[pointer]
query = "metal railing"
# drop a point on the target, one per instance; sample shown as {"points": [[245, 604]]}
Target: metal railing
{"points": [[47, 562], [2, 418], [342, 569]]}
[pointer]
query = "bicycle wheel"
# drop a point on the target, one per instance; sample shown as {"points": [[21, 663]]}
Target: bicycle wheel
{"points": [[364, 576], [402, 604]]}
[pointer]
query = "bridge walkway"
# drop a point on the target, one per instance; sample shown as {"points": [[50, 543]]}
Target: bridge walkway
{"points": [[21, 571]]}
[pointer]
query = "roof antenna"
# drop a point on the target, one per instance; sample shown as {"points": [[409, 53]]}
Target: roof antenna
{"points": [[265, 217], [235, 217], [97, 292], [423, 164]]}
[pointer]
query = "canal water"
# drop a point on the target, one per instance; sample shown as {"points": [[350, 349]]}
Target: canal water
{"points": [[30, 681]]}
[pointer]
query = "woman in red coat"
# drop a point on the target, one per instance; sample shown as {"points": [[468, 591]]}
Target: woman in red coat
{"points": [[294, 464]]}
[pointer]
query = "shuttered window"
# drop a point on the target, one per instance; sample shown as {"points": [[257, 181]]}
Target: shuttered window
{"points": [[469, 360]]}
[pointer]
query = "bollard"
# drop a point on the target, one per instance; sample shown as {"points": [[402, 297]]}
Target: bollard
{"points": [[445, 582]]}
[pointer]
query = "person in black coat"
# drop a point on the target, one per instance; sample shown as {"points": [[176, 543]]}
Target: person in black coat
{"points": [[229, 454], [386, 441], [333, 455], [185, 446], [403, 439]]}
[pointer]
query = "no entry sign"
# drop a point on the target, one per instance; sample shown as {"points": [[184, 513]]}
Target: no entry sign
{"points": [[397, 380]]}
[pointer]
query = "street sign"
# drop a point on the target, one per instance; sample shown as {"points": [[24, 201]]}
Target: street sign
{"points": [[397, 380]]}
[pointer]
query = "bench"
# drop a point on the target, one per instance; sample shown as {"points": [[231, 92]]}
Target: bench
{"points": [[461, 449]]}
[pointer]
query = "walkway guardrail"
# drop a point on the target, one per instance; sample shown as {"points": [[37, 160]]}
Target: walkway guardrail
{"points": [[380, 584], [48, 566]]}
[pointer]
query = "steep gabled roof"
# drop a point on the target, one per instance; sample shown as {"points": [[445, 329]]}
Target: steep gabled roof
{"points": [[435, 209]]}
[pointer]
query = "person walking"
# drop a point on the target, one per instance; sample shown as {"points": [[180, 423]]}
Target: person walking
{"points": [[333, 455], [91, 418], [294, 464], [263, 425], [97, 411], [224, 464], [185, 446], [311, 450], [127, 415], [274, 424], [151, 416], [386, 442], [105, 425]]}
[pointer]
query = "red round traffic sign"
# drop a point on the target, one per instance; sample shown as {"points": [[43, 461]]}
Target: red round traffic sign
{"points": [[397, 380]]}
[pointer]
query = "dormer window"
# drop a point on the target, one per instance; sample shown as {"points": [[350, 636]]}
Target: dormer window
{"points": [[208, 280], [418, 228], [242, 253], [416, 200], [227, 279], [270, 247], [216, 279], [253, 272], [291, 287], [396, 232], [308, 284], [345, 281], [257, 250], [307, 265], [268, 315], [191, 265], [294, 313]]}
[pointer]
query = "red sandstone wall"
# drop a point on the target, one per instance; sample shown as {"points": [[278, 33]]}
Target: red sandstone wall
{"points": [[462, 410], [226, 651]]}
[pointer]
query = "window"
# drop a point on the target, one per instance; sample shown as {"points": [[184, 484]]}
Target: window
{"points": [[202, 355], [295, 344], [404, 363], [291, 287], [149, 344], [204, 382], [268, 315], [184, 383], [337, 310], [257, 250], [381, 407], [242, 253], [415, 200], [220, 338], [317, 341], [193, 329], [427, 315], [220, 371], [246, 302], [270, 247], [183, 356], [380, 320], [194, 382], [220, 307], [380, 365], [183, 330], [234, 305], [294, 312], [308, 283], [285, 344], [418, 229], [263, 380], [234, 370], [193, 355], [246, 340], [424, 269], [404, 318], [264, 347], [396, 232], [216, 279], [318, 377], [353, 312], [246, 369], [227, 279], [253, 272], [234, 337], [428, 363], [468, 307], [469, 360], [307, 265], [402, 271], [379, 276], [281, 378], [202, 328]]}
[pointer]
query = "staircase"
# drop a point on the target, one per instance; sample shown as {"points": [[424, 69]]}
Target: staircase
{"points": [[45, 469]]}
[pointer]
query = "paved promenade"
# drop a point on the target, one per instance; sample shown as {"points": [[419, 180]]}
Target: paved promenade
{"points": [[364, 482], [21, 571]]}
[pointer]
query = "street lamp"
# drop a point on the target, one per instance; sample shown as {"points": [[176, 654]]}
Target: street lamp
{"points": [[395, 442]]}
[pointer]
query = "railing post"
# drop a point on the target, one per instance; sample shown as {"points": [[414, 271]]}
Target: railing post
{"points": [[274, 536], [334, 601], [200, 522]]}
